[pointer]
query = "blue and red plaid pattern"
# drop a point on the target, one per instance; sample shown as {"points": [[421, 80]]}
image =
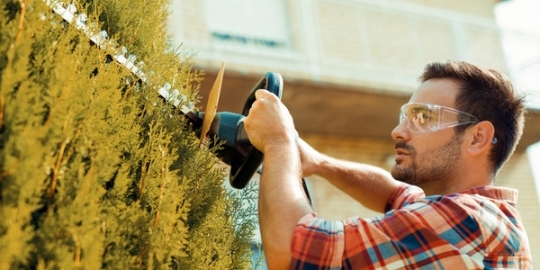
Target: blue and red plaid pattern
{"points": [[478, 228]]}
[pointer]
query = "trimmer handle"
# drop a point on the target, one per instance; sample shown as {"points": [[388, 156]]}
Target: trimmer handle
{"points": [[243, 168]]}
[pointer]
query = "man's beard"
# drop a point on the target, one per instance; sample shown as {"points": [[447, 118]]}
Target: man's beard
{"points": [[437, 165]]}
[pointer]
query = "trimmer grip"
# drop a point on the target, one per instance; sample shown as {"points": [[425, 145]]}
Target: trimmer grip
{"points": [[243, 169]]}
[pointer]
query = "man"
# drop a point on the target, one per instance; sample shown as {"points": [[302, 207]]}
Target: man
{"points": [[442, 210]]}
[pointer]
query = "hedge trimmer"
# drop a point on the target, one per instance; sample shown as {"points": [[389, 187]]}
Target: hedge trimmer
{"points": [[227, 127]]}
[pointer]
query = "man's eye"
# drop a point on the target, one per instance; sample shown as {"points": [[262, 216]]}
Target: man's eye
{"points": [[424, 114], [419, 121]]}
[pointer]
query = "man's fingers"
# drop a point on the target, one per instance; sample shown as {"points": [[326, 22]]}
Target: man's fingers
{"points": [[261, 93], [263, 96]]}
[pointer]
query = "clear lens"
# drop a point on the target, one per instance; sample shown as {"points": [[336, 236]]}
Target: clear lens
{"points": [[421, 117]]}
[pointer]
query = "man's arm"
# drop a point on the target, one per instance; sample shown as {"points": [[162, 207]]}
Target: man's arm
{"points": [[282, 201], [369, 185]]}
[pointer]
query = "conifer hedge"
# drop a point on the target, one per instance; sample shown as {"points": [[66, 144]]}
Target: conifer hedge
{"points": [[95, 170]]}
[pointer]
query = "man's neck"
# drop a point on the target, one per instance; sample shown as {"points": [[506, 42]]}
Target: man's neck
{"points": [[456, 187]]}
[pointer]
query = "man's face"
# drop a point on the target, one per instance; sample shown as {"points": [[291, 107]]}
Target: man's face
{"points": [[429, 159], [434, 164]]}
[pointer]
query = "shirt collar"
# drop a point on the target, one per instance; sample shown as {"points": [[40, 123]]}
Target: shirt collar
{"points": [[509, 195]]}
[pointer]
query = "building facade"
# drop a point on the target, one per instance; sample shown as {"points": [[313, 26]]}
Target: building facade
{"points": [[348, 65]]}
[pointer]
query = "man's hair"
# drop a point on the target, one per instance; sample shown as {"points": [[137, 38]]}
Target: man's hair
{"points": [[488, 95]]}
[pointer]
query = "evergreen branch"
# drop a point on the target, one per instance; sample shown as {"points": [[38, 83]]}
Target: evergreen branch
{"points": [[57, 169], [135, 32], [77, 250], [2, 108], [161, 189], [143, 253], [11, 52], [74, 139], [8, 171], [140, 186], [23, 4]]}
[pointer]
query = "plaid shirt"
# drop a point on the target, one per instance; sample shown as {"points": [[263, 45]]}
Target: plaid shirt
{"points": [[478, 228]]}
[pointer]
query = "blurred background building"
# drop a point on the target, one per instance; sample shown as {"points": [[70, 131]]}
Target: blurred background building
{"points": [[348, 66]]}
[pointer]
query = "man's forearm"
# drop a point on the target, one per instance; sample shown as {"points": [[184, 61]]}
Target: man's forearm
{"points": [[370, 185], [282, 202]]}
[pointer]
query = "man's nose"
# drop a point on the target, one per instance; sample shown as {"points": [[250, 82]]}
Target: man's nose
{"points": [[401, 132]]}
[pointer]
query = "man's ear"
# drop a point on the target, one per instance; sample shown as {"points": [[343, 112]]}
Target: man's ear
{"points": [[482, 135]]}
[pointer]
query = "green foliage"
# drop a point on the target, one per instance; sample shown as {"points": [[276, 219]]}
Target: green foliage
{"points": [[95, 171]]}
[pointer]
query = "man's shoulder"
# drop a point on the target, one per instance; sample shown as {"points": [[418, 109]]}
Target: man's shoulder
{"points": [[475, 198]]}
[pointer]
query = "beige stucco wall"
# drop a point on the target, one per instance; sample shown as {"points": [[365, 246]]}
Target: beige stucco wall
{"points": [[379, 44], [331, 203], [480, 8]]}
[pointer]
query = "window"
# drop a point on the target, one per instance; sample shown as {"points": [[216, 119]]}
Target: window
{"points": [[252, 23]]}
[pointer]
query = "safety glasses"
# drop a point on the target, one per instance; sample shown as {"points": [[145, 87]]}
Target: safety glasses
{"points": [[420, 117]]}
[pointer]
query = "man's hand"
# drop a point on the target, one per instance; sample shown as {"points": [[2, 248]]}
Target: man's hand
{"points": [[269, 124]]}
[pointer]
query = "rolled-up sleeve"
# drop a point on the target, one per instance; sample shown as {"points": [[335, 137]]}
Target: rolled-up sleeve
{"points": [[317, 243], [402, 196], [320, 244]]}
